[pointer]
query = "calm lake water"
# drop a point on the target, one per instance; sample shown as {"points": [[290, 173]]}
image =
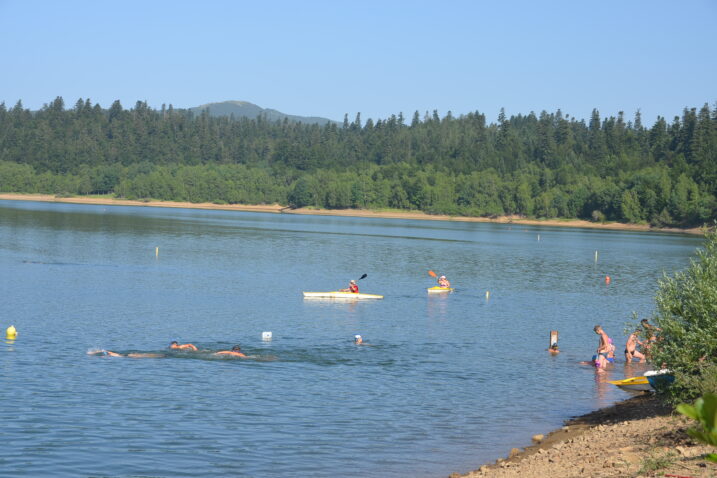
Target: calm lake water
{"points": [[448, 383]]}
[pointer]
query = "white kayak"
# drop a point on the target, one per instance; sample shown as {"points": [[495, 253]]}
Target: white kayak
{"points": [[340, 295], [436, 289]]}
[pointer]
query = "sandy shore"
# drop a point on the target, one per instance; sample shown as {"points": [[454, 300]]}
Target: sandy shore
{"points": [[634, 438], [277, 208]]}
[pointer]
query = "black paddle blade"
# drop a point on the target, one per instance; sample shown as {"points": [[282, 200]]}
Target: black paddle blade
{"points": [[363, 276]]}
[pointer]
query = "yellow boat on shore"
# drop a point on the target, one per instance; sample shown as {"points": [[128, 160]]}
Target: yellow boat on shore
{"points": [[438, 289], [640, 384]]}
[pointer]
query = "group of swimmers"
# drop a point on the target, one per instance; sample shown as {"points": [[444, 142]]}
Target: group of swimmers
{"points": [[605, 353], [234, 352]]}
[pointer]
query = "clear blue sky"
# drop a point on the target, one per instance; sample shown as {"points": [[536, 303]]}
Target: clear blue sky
{"points": [[328, 58]]}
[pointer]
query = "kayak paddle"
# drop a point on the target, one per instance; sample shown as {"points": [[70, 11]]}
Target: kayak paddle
{"points": [[431, 273], [363, 276]]}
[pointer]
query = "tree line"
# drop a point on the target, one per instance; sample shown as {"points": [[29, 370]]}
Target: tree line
{"points": [[548, 165]]}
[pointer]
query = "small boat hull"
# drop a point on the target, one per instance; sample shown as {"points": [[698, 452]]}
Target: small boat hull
{"points": [[659, 378], [439, 290], [340, 295], [638, 384]]}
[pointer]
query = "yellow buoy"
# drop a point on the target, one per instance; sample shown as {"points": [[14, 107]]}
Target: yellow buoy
{"points": [[11, 333]]}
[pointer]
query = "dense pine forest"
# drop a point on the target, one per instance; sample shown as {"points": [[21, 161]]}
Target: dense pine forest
{"points": [[547, 165]]}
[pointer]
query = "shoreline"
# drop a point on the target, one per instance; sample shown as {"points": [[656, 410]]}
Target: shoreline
{"points": [[279, 209], [638, 436]]}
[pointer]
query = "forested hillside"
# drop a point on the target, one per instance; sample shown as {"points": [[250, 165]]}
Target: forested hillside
{"points": [[546, 165]]}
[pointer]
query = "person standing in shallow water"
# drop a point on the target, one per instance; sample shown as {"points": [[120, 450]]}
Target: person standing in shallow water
{"points": [[631, 348], [603, 349]]}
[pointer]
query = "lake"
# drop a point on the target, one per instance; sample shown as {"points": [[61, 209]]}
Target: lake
{"points": [[447, 383]]}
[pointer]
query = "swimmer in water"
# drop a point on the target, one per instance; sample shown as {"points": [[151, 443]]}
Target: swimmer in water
{"points": [[176, 345], [611, 351], [109, 353], [234, 352], [358, 340], [104, 353]]}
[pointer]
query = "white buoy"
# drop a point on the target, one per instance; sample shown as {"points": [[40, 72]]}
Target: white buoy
{"points": [[487, 295], [156, 252], [266, 336], [596, 256], [538, 236]]}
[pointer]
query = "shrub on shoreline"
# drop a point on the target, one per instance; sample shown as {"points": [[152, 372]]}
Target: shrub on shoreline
{"points": [[687, 316]]}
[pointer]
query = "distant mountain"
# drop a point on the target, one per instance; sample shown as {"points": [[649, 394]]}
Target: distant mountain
{"points": [[249, 110]]}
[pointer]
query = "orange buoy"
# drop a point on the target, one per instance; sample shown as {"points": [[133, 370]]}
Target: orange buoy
{"points": [[607, 279]]}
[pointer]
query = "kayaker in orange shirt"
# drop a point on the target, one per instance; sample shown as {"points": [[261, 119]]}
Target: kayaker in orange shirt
{"points": [[353, 287]]}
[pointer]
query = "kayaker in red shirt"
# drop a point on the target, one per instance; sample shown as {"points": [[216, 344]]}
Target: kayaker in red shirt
{"points": [[353, 287]]}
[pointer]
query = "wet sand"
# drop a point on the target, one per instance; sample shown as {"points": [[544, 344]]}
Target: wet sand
{"points": [[636, 437], [277, 208]]}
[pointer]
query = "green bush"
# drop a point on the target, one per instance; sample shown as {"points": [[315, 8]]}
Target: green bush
{"points": [[705, 411], [687, 316]]}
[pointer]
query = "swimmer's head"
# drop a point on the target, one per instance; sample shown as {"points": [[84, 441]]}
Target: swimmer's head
{"points": [[174, 342], [236, 348], [358, 339]]}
